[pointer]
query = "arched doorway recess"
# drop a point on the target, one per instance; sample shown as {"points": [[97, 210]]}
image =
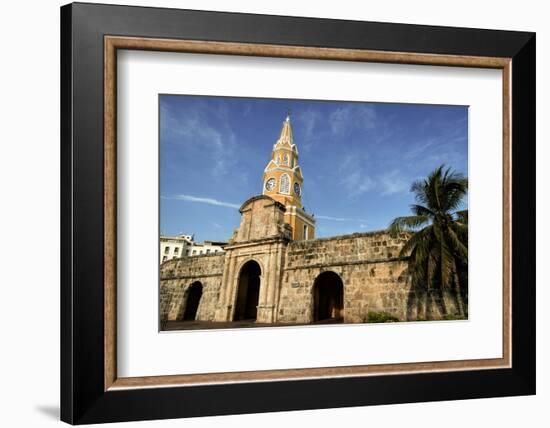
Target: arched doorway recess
{"points": [[328, 298], [194, 294], [248, 293]]}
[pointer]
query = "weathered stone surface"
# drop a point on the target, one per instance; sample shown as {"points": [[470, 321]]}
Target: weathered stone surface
{"points": [[261, 217], [374, 276], [178, 275]]}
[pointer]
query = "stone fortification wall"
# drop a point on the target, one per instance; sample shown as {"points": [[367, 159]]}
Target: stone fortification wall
{"points": [[179, 274]]}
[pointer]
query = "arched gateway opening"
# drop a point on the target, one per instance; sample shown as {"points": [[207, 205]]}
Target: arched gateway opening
{"points": [[194, 294], [328, 298], [248, 294]]}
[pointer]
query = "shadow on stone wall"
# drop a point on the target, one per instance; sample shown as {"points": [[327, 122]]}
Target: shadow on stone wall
{"points": [[425, 304]]}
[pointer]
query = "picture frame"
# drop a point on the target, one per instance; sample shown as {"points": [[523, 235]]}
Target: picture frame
{"points": [[91, 391]]}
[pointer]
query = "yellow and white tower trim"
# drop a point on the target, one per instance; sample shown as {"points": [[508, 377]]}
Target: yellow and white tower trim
{"points": [[282, 181]]}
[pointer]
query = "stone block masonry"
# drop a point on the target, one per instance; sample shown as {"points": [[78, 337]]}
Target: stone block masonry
{"points": [[374, 277], [267, 277], [178, 275]]}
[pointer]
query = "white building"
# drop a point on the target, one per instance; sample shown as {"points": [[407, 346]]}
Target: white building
{"points": [[173, 247], [207, 247]]}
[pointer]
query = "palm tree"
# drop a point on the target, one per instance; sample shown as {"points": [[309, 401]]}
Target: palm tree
{"points": [[438, 244]]}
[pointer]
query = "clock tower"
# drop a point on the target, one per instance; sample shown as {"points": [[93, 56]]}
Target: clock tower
{"points": [[282, 181]]}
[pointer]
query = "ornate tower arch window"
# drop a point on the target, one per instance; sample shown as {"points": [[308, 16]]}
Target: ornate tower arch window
{"points": [[285, 159], [284, 186]]}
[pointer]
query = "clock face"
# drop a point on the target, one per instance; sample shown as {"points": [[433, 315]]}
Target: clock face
{"points": [[297, 189], [270, 184]]}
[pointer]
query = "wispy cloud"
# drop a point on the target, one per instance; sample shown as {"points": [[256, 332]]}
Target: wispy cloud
{"points": [[307, 121], [194, 129], [353, 175], [352, 116], [326, 217], [357, 181], [394, 182], [202, 200], [417, 150], [436, 151]]}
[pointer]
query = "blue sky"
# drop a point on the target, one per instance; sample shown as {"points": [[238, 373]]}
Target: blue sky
{"points": [[358, 159]]}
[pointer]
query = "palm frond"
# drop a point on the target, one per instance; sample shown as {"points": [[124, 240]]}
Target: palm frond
{"points": [[462, 216], [421, 210], [454, 192], [418, 241], [457, 246], [408, 223]]}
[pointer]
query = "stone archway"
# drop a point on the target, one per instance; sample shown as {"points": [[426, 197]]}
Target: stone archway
{"points": [[194, 294], [328, 298], [248, 292]]}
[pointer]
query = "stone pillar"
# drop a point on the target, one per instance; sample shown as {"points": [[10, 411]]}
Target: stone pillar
{"points": [[264, 305], [225, 304], [232, 288], [277, 269]]}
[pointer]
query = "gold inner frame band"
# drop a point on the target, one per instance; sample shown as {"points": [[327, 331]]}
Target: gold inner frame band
{"points": [[113, 43]]}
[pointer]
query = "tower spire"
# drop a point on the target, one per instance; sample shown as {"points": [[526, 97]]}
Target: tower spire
{"points": [[286, 132], [283, 180]]}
